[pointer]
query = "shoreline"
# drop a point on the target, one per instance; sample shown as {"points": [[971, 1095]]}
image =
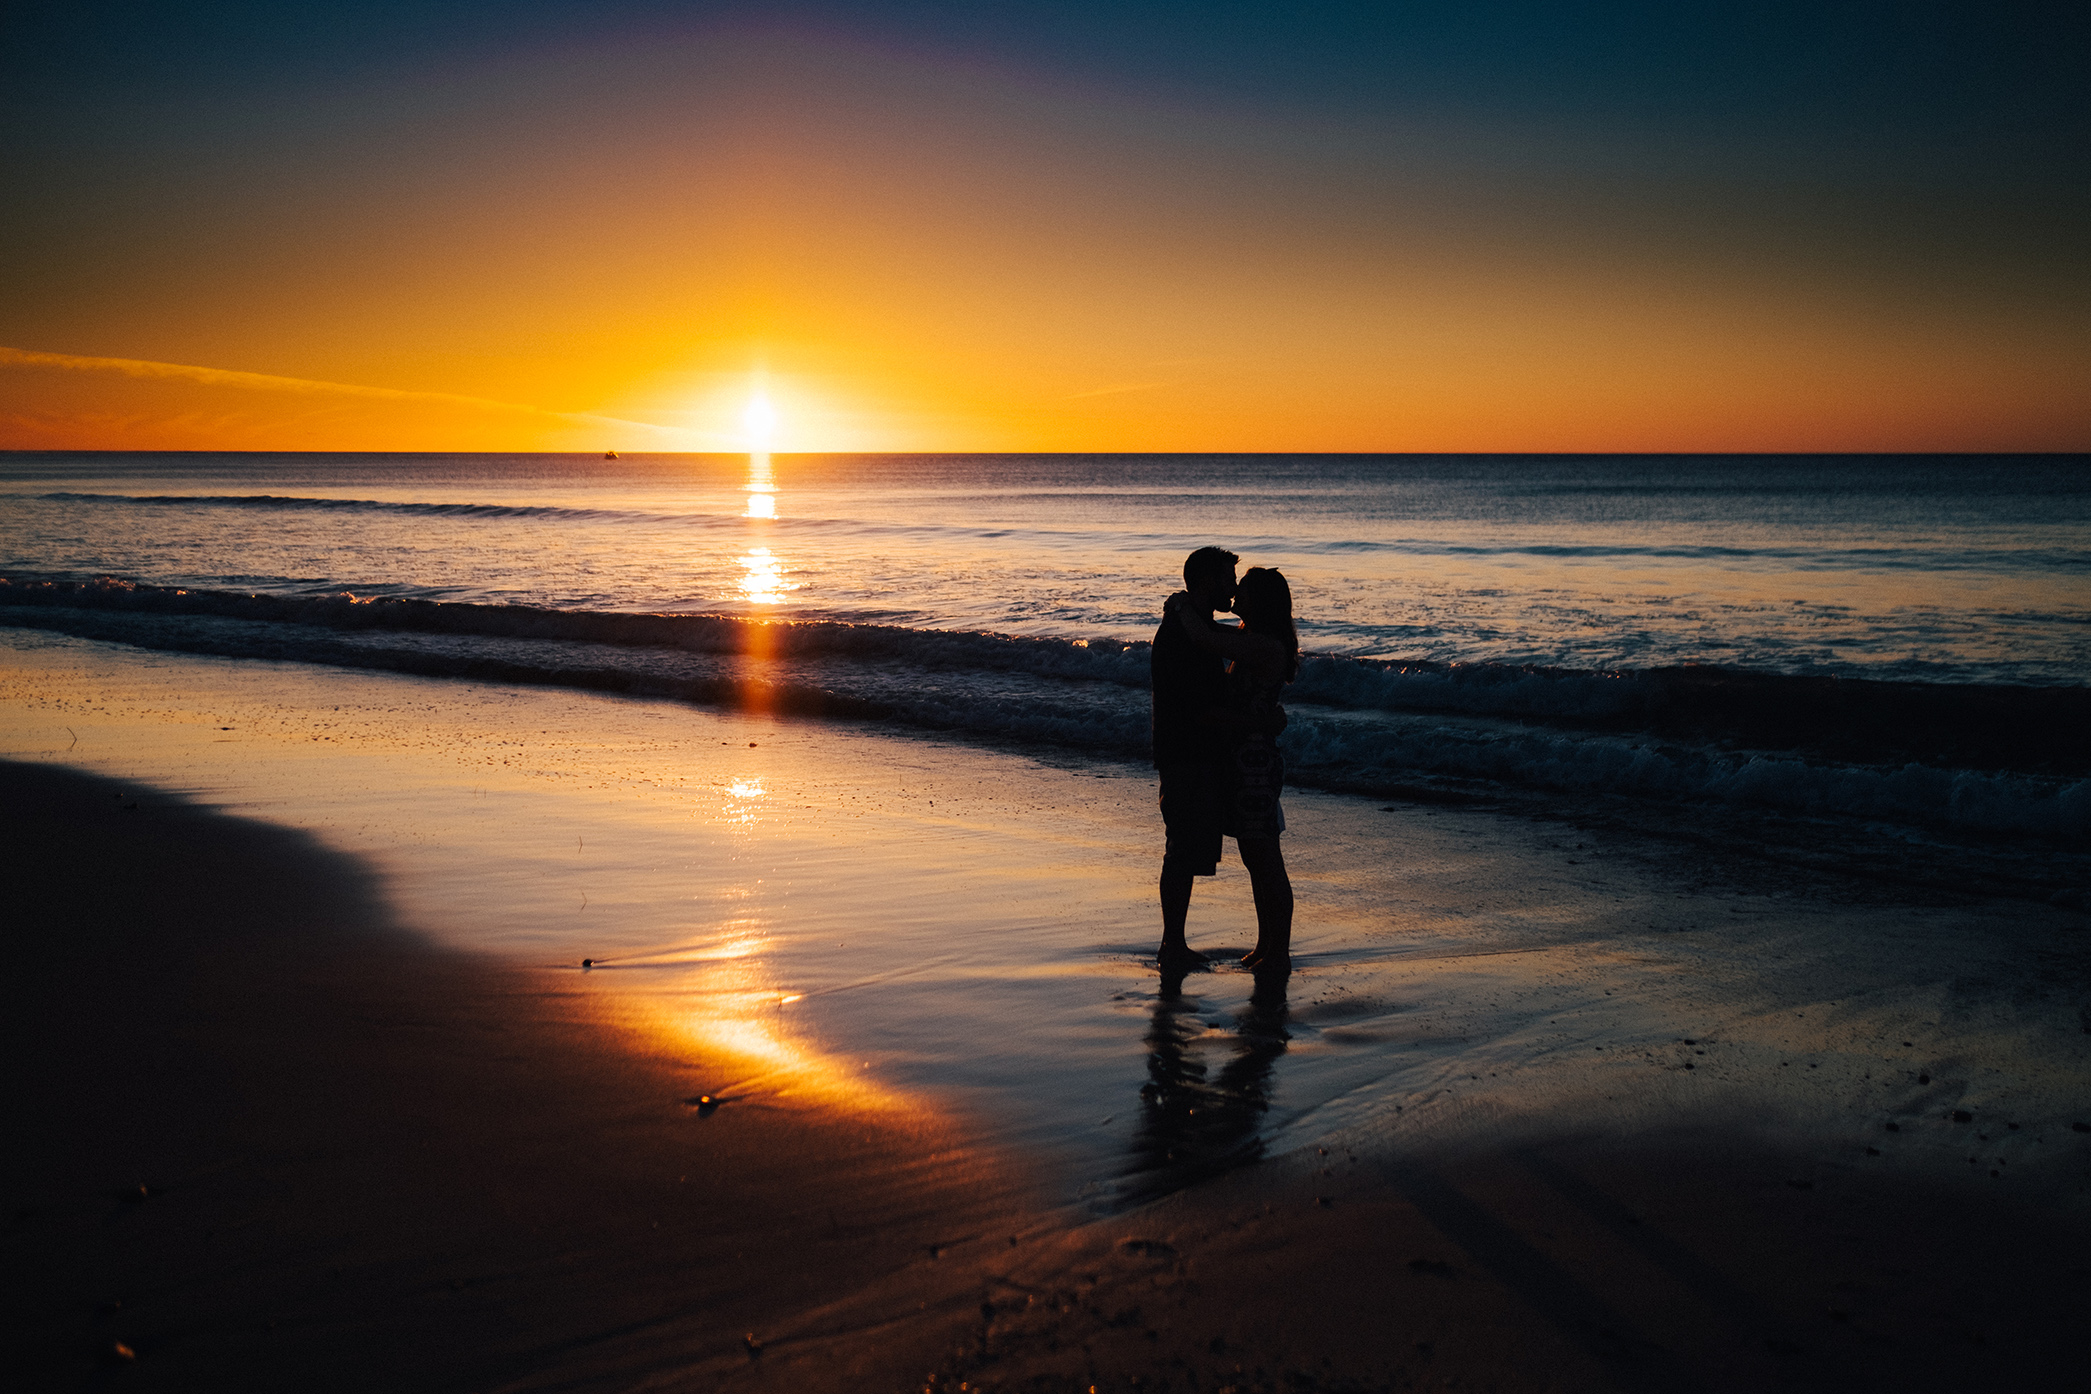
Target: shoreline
{"points": [[1863, 769]]}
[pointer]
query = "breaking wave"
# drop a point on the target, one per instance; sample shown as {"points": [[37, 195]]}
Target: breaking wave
{"points": [[1990, 760], [1812, 557]]}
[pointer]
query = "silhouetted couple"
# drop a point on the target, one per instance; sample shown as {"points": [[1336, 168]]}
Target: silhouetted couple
{"points": [[1216, 722]]}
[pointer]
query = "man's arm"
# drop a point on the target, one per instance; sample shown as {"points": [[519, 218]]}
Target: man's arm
{"points": [[1225, 640]]}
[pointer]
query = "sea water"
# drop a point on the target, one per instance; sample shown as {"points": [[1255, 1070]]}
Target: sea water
{"points": [[1898, 638], [1949, 569]]}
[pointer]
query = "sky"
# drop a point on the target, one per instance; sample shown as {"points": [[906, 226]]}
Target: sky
{"points": [[1045, 227]]}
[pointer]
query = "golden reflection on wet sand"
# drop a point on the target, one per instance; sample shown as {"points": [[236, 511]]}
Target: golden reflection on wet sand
{"points": [[721, 995], [733, 1005]]}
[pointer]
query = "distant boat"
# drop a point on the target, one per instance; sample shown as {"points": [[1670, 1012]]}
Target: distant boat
{"points": [[609, 454]]}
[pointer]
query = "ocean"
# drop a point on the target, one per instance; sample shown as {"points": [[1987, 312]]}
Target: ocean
{"points": [[1899, 640]]}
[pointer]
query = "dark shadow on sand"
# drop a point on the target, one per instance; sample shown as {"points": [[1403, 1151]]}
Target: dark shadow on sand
{"points": [[263, 1137]]}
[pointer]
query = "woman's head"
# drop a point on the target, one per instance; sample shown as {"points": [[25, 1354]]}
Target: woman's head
{"points": [[1264, 601], [1263, 594]]}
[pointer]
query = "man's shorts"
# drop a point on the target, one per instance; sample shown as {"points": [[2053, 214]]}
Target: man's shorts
{"points": [[1194, 811]]}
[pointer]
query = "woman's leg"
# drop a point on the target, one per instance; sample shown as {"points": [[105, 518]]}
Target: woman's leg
{"points": [[1272, 889]]}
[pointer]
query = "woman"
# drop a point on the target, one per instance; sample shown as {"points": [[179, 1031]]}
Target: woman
{"points": [[1264, 655]]}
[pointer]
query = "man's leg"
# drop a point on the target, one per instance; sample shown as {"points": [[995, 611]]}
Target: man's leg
{"points": [[1176, 908], [1190, 818]]}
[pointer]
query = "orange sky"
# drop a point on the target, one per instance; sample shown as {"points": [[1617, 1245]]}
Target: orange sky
{"points": [[590, 250]]}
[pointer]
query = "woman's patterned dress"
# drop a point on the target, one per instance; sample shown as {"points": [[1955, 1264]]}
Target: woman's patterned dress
{"points": [[1259, 768]]}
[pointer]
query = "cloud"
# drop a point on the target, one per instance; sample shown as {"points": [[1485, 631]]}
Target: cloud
{"points": [[668, 437], [1114, 391]]}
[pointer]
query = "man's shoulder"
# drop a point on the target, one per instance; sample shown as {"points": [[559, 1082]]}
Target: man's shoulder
{"points": [[1174, 652]]}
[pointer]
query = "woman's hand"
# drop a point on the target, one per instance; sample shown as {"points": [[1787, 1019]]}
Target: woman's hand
{"points": [[1176, 602]]}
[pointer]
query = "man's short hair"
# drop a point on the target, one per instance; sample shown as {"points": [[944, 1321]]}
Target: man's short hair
{"points": [[1215, 563]]}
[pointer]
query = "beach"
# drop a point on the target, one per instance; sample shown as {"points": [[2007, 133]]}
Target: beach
{"points": [[1545, 1104], [629, 633], [597, 603], [276, 1142]]}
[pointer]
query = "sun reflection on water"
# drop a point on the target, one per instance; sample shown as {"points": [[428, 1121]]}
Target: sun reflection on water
{"points": [[762, 486], [762, 573], [762, 578]]}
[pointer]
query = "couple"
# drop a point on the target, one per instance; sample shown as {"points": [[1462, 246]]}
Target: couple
{"points": [[1216, 719]]}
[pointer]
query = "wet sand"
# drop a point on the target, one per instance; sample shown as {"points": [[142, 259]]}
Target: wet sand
{"points": [[269, 1141], [1544, 1107]]}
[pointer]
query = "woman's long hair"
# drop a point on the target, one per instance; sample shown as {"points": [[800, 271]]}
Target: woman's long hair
{"points": [[1264, 602]]}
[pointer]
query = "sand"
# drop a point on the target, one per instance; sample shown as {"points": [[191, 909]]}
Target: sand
{"points": [[1532, 1115], [366, 1163]]}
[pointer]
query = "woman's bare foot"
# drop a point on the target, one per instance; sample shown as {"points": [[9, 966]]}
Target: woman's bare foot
{"points": [[1264, 960]]}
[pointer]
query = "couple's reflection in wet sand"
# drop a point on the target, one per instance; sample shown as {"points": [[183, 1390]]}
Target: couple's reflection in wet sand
{"points": [[1197, 1121]]}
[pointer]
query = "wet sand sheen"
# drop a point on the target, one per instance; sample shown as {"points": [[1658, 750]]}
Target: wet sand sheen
{"points": [[373, 1165], [370, 1163], [1497, 1036]]}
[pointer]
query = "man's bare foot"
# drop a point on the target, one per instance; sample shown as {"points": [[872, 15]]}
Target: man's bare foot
{"points": [[1179, 954]]}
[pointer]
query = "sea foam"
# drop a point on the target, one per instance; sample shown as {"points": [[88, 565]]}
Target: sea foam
{"points": [[1992, 761]]}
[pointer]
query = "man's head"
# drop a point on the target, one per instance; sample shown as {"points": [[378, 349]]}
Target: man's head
{"points": [[1208, 574]]}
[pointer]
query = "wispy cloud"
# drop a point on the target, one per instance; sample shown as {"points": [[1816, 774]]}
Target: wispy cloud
{"points": [[268, 382], [1114, 391]]}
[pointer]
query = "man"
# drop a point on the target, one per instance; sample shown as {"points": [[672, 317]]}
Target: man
{"points": [[1191, 726]]}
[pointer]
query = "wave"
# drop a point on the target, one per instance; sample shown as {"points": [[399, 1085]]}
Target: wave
{"points": [[1470, 757], [1995, 761], [1107, 660], [1805, 558], [293, 502], [2029, 729]]}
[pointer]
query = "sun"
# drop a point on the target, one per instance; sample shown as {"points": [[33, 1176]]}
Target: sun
{"points": [[759, 420]]}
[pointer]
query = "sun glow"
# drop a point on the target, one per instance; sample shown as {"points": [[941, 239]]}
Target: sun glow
{"points": [[759, 420]]}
